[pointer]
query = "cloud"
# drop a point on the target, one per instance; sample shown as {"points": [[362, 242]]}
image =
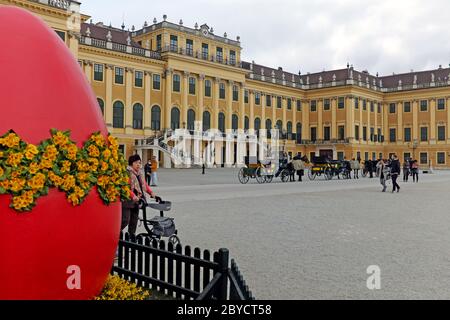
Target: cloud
{"points": [[378, 35]]}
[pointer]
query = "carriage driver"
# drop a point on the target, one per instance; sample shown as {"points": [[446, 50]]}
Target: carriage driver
{"points": [[139, 188]]}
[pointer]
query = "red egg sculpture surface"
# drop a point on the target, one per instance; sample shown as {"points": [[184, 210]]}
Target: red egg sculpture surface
{"points": [[45, 251]]}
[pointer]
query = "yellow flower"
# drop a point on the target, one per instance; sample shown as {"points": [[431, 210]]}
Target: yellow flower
{"points": [[103, 181], [2, 172], [93, 151], [69, 182], [72, 152], [46, 164], [14, 159], [60, 139], [31, 151], [98, 139], [83, 166], [34, 168], [10, 141], [51, 152], [37, 182], [106, 154], [17, 184], [65, 166], [73, 199], [4, 184], [104, 166], [1, 154]]}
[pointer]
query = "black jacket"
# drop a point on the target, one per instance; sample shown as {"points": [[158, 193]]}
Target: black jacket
{"points": [[395, 166], [148, 168]]}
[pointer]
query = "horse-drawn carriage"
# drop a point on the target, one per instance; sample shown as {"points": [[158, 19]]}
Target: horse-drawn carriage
{"points": [[320, 166], [255, 169]]}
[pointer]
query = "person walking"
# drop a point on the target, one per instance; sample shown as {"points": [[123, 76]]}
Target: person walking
{"points": [[357, 167], [299, 166], [415, 171], [405, 170], [395, 172], [154, 172], [138, 191], [370, 168], [381, 167], [148, 171]]}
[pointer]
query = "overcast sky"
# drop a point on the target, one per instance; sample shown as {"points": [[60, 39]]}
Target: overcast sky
{"points": [[382, 36]]}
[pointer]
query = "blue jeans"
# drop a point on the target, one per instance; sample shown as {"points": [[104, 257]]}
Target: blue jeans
{"points": [[154, 179]]}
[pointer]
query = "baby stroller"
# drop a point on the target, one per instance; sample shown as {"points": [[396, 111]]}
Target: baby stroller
{"points": [[159, 226]]}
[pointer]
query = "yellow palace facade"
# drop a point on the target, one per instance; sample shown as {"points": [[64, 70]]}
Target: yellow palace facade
{"points": [[165, 76]]}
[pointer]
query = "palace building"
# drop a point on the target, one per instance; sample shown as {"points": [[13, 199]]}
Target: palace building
{"points": [[166, 76]]}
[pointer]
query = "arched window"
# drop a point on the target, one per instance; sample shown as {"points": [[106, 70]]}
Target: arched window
{"points": [[191, 119], [206, 121], [175, 118], [118, 114], [156, 118], [246, 123], [299, 132], [289, 127], [222, 122], [101, 104], [234, 122], [138, 114], [257, 124], [268, 127], [279, 125]]}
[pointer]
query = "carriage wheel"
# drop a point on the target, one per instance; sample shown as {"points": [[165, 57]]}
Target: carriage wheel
{"points": [[284, 176], [243, 177], [364, 173], [173, 239], [269, 179], [260, 178], [311, 174]]}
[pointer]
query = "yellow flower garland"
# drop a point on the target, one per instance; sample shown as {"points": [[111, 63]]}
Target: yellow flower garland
{"points": [[28, 171]]}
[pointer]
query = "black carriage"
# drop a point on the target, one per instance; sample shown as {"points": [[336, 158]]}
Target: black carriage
{"points": [[255, 169]]}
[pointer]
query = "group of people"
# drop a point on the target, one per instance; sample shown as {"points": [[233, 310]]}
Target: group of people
{"points": [[410, 167], [294, 166]]}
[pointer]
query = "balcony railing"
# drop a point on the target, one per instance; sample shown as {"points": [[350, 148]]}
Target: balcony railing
{"points": [[324, 142], [200, 55]]}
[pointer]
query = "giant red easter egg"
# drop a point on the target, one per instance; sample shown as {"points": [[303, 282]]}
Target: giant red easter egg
{"points": [[42, 87]]}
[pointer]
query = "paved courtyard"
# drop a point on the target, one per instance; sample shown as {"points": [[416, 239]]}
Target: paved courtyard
{"points": [[315, 240]]}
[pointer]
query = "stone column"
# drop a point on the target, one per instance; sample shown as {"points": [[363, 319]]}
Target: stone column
{"points": [[147, 103], [385, 123], [88, 70], [333, 118], [129, 100], [432, 121], [229, 113], [167, 98], [215, 115], [349, 116], [263, 111], [252, 110], [305, 120], [284, 107], [415, 129], [294, 116], [241, 106], [447, 108], [399, 123], [108, 97], [320, 119], [184, 104]]}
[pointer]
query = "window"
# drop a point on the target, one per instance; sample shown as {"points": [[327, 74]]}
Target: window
{"points": [[191, 119], [364, 105], [289, 128], [407, 134], [313, 133], [423, 158], [222, 90], [392, 135], [268, 127], [364, 133], [191, 85], [268, 101], [206, 121], [101, 104], [279, 125], [326, 104], [156, 118], [158, 42], [372, 134], [379, 137], [98, 72], [372, 106], [299, 105], [423, 133], [247, 123], [313, 106], [173, 43], [357, 132], [189, 47], [175, 118], [299, 132], [207, 88], [356, 103], [289, 103], [441, 133], [257, 98], [156, 82], [118, 114], [235, 93], [232, 57], [279, 104], [219, 54], [423, 105], [392, 108], [441, 104], [138, 111], [407, 107], [119, 75], [61, 34], [222, 122], [234, 122], [340, 155], [138, 79], [341, 103], [327, 133], [379, 108], [341, 132], [176, 83], [246, 96], [257, 124], [366, 156], [205, 51], [441, 157]]}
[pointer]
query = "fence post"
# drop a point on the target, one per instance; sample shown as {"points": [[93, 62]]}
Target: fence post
{"points": [[223, 268]]}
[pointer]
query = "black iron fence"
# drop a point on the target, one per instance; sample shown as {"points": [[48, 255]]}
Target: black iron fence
{"points": [[178, 272]]}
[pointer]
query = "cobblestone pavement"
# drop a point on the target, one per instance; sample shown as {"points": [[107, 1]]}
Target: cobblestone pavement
{"points": [[315, 240]]}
